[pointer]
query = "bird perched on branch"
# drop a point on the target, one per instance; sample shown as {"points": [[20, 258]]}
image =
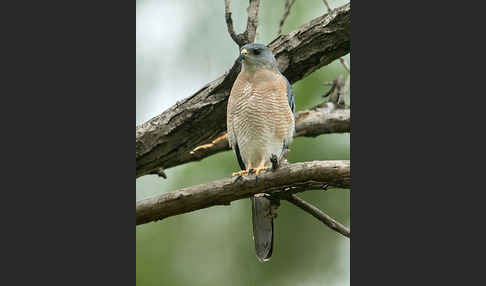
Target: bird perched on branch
{"points": [[260, 122]]}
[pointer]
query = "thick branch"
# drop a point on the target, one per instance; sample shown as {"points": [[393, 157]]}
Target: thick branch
{"points": [[288, 179], [317, 213], [167, 139], [322, 119]]}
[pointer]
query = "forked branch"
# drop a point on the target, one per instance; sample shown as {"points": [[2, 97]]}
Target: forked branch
{"points": [[249, 35]]}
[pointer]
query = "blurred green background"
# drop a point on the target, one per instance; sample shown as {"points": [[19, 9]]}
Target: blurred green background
{"points": [[182, 45]]}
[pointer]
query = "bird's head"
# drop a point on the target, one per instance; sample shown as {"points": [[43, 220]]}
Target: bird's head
{"points": [[257, 56]]}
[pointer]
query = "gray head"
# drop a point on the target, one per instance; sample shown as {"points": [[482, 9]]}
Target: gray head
{"points": [[257, 56]]}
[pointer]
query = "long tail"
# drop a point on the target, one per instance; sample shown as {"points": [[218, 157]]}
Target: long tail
{"points": [[262, 227]]}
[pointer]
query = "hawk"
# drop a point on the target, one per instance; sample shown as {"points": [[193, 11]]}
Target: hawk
{"points": [[260, 123]]}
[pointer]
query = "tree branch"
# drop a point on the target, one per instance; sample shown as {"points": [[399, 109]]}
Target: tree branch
{"points": [[345, 65], [343, 62], [249, 35], [322, 119], [327, 5], [167, 139], [252, 22], [288, 179], [317, 213], [229, 23], [288, 6]]}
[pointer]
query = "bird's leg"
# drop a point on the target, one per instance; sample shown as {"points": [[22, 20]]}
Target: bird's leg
{"points": [[274, 161], [243, 172]]}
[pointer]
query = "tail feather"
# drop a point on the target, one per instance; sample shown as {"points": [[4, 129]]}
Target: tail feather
{"points": [[262, 227]]}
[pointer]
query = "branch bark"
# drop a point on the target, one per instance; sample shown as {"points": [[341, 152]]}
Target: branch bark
{"points": [[320, 215], [167, 139], [322, 119], [288, 179], [249, 35], [252, 22], [229, 22]]}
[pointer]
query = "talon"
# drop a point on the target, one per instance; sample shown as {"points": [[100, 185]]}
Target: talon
{"points": [[261, 167]]}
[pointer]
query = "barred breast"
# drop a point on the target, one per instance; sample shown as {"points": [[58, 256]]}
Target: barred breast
{"points": [[259, 117]]}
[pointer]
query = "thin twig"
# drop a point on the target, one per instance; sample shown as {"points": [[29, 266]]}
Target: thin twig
{"points": [[327, 5], [338, 91], [288, 6], [341, 101], [317, 213], [345, 64], [341, 91]]}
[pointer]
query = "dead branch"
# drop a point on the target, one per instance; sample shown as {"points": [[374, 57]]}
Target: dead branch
{"points": [[317, 213], [345, 64], [288, 179], [338, 90], [288, 6], [249, 35], [252, 22], [167, 139], [229, 23], [327, 5]]}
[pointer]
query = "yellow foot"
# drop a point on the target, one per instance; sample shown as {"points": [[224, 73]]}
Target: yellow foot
{"points": [[240, 173]]}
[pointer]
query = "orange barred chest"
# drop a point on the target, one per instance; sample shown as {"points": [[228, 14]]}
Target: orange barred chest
{"points": [[260, 111]]}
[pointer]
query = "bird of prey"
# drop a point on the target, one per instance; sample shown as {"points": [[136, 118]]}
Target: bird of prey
{"points": [[260, 123]]}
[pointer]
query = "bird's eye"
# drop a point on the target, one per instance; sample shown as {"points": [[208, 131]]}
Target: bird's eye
{"points": [[257, 52]]}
